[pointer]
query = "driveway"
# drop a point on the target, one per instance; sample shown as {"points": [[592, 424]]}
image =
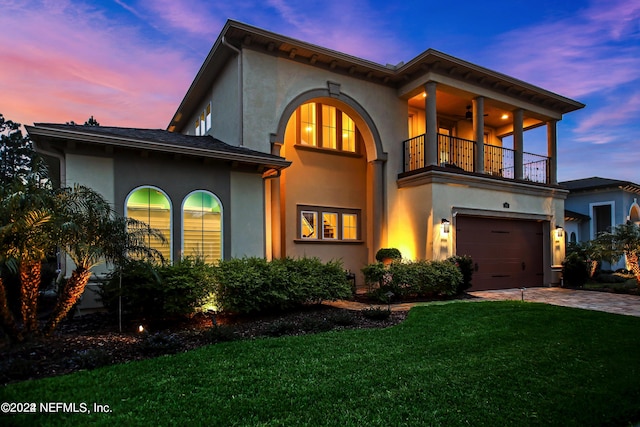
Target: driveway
{"points": [[590, 300]]}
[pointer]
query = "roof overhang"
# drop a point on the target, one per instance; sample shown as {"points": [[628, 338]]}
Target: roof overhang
{"points": [[404, 78], [44, 135]]}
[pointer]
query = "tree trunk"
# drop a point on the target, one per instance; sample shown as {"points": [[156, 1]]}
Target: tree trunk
{"points": [[8, 321], [30, 274], [634, 266], [593, 268], [69, 295]]}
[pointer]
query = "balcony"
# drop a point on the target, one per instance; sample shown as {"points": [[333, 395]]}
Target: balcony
{"points": [[460, 154]]}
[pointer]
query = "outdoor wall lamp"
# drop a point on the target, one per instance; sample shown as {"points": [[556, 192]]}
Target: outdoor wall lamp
{"points": [[445, 226], [559, 232]]}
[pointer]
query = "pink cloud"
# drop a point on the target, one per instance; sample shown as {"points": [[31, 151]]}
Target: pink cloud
{"points": [[594, 48], [67, 63]]}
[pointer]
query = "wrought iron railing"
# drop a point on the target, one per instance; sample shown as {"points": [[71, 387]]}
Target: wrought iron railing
{"points": [[460, 154]]}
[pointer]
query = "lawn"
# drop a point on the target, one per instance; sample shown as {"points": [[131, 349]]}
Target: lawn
{"points": [[481, 363]]}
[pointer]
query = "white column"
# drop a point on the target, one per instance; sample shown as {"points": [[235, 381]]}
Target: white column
{"points": [[478, 132], [552, 151], [518, 142], [431, 118]]}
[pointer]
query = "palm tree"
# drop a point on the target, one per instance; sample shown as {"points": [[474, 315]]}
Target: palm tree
{"points": [[25, 236], [90, 233], [623, 240]]}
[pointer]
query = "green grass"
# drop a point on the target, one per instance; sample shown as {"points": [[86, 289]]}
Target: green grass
{"points": [[488, 363]]}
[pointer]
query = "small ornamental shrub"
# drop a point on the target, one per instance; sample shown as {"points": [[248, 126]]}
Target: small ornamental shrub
{"points": [[465, 265], [376, 313], [160, 343], [220, 333], [575, 271], [388, 253], [342, 318], [92, 358]]}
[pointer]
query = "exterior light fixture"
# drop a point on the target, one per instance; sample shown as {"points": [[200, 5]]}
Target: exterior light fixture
{"points": [[505, 116], [140, 329], [559, 232], [445, 226]]}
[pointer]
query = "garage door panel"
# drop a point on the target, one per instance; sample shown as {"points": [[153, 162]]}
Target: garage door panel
{"points": [[507, 253]]}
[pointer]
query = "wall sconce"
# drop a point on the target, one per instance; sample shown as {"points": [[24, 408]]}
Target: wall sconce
{"points": [[445, 226], [559, 232]]}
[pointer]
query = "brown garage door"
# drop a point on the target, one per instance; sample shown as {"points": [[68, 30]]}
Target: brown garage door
{"points": [[506, 253]]}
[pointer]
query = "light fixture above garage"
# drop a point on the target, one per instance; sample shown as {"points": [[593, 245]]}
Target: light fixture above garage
{"points": [[559, 232], [445, 226]]}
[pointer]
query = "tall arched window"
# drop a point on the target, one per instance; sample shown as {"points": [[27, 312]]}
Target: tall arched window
{"points": [[153, 207], [202, 226]]}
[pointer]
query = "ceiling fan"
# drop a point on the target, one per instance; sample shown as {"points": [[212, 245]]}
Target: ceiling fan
{"points": [[469, 114]]}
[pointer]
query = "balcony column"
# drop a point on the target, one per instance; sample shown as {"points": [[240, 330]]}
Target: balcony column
{"points": [[552, 151], [431, 118], [478, 132], [518, 143]]}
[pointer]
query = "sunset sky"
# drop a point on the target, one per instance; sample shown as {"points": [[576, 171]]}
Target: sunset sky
{"points": [[129, 62]]}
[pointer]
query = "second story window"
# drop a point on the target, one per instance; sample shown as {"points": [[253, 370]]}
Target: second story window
{"points": [[203, 123], [325, 126]]}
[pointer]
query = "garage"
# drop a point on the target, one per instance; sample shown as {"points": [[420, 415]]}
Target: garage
{"points": [[506, 253]]}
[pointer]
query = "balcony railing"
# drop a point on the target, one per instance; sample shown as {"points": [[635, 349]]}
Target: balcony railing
{"points": [[459, 153]]}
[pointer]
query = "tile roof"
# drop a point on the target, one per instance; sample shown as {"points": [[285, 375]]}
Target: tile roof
{"points": [[153, 139], [597, 182]]}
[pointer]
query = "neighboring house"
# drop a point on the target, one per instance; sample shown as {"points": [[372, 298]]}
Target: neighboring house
{"points": [[601, 203], [335, 157]]}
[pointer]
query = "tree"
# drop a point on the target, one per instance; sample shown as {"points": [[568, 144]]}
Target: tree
{"points": [[91, 122], [91, 233], [623, 240]]}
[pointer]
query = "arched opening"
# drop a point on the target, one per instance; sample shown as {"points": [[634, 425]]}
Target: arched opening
{"points": [[328, 203], [153, 207], [634, 213], [202, 226]]}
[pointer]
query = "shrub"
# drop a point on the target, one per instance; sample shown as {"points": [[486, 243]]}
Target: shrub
{"points": [[252, 285], [416, 278], [575, 271], [160, 343], [388, 253], [92, 358], [160, 292], [376, 313], [220, 333], [465, 265]]}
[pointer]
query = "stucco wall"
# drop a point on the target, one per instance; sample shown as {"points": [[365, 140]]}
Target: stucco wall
{"points": [[247, 221]]}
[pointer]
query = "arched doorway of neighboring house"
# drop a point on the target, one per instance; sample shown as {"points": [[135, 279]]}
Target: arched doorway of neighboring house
{"points": [[327, 204], [634, 212]]}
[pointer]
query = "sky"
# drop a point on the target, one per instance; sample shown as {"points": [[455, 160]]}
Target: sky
{"points": [[129, 62]]}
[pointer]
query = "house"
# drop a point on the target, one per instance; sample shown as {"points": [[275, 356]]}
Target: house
{"points": [[599, 204], [296, 150]]}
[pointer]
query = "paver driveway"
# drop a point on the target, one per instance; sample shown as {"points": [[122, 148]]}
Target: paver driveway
{"points": [[590, 300]]}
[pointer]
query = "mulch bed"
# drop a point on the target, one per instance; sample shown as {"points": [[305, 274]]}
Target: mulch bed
{"points": [[93, 340]]}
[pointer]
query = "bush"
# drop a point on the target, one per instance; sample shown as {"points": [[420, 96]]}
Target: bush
{"points": [[253, 285], [376, 313], [465, 265], [413, 279], [575, 271], [388, 253], [160, 292]]}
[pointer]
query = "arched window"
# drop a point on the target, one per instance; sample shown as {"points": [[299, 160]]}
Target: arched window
{"points": [[202, 226], [634, 212], [153, 207]]}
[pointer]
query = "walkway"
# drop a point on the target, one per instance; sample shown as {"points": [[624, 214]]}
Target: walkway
{"points": [[590, 300]]}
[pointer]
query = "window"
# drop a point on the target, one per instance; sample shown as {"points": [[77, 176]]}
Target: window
{"points": [[152, 206], [601, 217], [202, 226], [325, 126], [203, 123], [337, 224], [349, 226], [348, 133], [329, 225], [309, 221], [308, 124]]}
